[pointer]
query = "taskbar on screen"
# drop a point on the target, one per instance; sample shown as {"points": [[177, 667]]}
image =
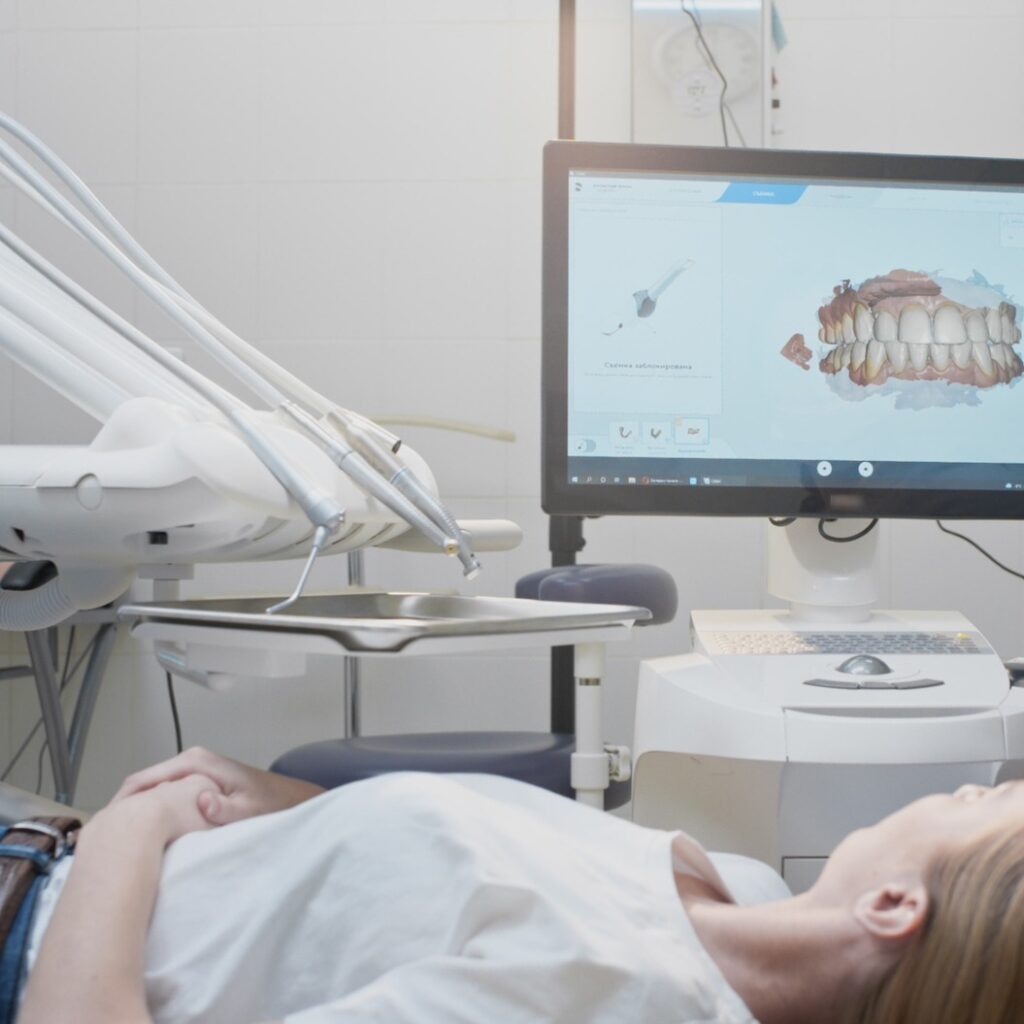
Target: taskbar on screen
{"points": [[821, 473]]}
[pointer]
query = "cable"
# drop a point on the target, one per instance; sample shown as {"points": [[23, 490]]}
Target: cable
{"points": [[710, 58], [782, 522], [844, 540], [174, 711], [44, 746], [974, 544], [728, 108]]}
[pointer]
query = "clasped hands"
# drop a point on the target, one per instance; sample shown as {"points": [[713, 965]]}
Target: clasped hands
{"points": [[200, 790]]}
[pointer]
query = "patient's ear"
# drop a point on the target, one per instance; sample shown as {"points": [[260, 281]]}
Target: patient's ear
{"points": [[895, 912]]}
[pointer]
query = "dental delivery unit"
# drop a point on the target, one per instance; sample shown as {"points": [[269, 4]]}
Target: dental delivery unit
{"points": [[182, 471]]}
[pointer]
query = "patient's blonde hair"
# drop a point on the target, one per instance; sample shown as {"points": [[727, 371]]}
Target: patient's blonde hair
{"points": [[967, 965]]}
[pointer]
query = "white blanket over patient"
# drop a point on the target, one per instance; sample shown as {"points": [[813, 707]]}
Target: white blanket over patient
{"points": [[416, 899]]}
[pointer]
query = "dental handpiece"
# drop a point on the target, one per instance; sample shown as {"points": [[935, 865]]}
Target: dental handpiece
{"points": [[646, 299]]}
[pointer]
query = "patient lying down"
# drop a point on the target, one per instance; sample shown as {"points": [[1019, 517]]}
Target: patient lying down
{"points": [[416, 899]]}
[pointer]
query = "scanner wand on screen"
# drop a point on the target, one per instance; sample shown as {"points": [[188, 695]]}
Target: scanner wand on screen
{"points": [[645, 300]]}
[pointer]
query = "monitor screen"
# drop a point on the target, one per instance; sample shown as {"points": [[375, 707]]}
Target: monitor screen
{"points": [[782, 333]]}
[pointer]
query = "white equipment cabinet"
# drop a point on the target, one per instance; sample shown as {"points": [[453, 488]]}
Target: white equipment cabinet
{"points": [[768, 741]]}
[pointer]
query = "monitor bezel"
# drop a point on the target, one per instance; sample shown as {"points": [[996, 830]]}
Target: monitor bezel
{"points": [[560, 497]]}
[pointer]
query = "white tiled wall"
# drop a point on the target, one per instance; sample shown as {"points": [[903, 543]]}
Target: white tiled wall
{"points": [[355, 185]]}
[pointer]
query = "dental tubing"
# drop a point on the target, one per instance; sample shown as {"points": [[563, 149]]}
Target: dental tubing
{"points": [[288, 382], [397, 487]]}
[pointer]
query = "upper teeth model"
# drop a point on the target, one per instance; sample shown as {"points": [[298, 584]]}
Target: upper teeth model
{"points": [[912, 326]]}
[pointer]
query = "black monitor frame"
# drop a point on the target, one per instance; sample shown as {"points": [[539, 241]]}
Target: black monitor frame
{"points": [[560, 497]]}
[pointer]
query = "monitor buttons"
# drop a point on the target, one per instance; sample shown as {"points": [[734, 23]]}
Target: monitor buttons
{"points": [[824, 468], [865, 469]]}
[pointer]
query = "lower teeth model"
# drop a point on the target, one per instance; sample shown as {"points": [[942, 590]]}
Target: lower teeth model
{"points": [[908, 325]]}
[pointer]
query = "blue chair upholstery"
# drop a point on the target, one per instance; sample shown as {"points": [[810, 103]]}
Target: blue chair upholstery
{"points": [[542, 759]]}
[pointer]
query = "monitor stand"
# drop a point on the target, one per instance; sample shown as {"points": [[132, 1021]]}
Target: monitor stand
{"points": [[824, 581], [830, 590]]}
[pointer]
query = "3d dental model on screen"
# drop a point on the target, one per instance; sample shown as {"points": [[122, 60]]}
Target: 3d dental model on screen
{"points": [[646, 299], [911, 326]]}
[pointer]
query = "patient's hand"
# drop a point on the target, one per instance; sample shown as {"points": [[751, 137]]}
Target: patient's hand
{"points": [[244, 791]]}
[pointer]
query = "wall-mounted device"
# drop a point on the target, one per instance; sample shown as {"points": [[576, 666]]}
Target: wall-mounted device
{"points": [[676, 87]]}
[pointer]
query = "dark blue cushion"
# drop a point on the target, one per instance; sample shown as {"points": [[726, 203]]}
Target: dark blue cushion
{"points": [[539, 758], [644, 586]]}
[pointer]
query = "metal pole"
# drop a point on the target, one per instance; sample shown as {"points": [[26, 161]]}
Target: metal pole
{"points": [[350, 665], [565, 533], [102, 646], [48, 688], [567, 69]]}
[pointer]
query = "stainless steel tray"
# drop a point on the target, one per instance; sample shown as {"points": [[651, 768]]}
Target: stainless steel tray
{"points": [[385, 622]]}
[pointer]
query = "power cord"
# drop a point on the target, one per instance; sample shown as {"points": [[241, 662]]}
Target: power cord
{"points": [[821, 529], [844, 540], [974, 544], [705, 51], [174, 710]]}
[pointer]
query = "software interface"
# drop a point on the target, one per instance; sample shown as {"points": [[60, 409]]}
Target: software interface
{"points": [[745, 331]]}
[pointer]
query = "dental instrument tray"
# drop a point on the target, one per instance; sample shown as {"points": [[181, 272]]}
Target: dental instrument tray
{"points": [[381, 623]]}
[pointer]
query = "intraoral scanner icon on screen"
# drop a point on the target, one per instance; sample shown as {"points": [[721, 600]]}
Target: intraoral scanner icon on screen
{"points": [[646, 300]]}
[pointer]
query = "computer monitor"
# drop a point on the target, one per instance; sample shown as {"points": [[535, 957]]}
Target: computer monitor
{"points": [[760, 332]]}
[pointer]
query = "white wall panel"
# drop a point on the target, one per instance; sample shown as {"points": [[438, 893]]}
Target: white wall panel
{"points": [[8, 71], [77, 92], [323, 267], [324, 105], [76, 14], [207, 236], [943, 112], [198, 119], [231, 14], [836, 85], [445, 264], [321, 12]]}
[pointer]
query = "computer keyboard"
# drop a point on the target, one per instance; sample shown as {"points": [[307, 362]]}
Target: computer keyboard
{"points": [[874, 642]]}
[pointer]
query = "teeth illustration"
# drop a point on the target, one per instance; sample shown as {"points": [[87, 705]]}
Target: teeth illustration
{"points": [[915, 325], [918, 354], [994, 324], [885, 326], [962, 353], [1008, 328], [904, 327], [863, 324], [949, 326], [849, 334], [976, 329], [982, 357], [895, 350], [874, 358], [857, 354]]}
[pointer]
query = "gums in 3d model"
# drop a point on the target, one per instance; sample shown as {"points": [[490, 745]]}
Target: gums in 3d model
{"points": [[911, 326], [796, 351]]}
